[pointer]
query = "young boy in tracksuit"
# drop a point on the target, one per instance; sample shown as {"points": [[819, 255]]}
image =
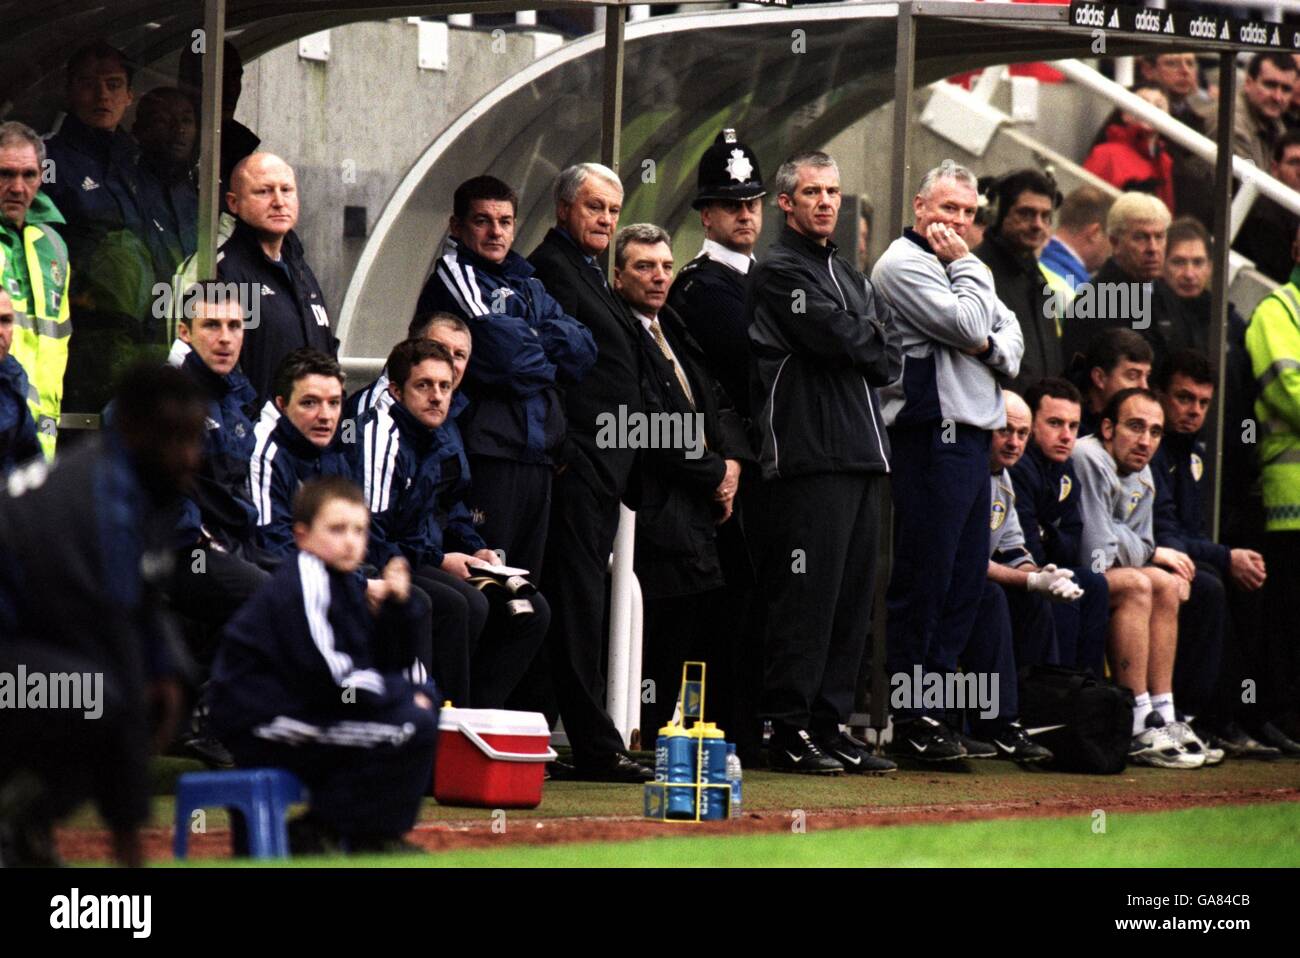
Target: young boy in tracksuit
{"points": [[415, 476], [300, 681]]}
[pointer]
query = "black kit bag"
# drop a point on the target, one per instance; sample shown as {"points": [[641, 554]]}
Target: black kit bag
{"points": [[1087, 722]]}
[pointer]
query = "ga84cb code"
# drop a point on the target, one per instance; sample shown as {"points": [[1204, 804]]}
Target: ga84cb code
{"points": [[1223, 899]]}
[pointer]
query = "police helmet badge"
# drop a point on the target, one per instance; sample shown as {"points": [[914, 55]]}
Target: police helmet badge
{"points": [[738, 166]]}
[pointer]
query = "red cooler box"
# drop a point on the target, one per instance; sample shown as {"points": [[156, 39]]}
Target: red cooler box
{"points": [[491, 758]]}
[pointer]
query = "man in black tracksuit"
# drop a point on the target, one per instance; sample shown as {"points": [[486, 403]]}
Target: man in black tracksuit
{"points": [[265, 256], [687, 492], [84, 554], [1026, 199], [821, 349]]}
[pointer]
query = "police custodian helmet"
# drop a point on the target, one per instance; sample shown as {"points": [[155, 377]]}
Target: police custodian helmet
{"points": [[728, 171]]}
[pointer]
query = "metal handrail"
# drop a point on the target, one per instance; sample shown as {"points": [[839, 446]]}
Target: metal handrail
{"points": [[1242, 169]]}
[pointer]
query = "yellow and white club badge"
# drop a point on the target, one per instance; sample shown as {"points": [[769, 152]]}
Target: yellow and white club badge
{"points": [[1066, 486], [1134, 498], [999, 515], [1198, 467]]}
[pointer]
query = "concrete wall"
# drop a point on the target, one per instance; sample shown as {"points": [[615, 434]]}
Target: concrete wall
{"points": [[352, 126]]}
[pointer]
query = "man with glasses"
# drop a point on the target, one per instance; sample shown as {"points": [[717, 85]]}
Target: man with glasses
{"points": [[1118, 506], [1023, 225]]}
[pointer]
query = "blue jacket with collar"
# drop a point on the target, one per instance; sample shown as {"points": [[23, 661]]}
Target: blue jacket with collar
{"points": [[1047, 505], [282, 460], [1178, 466], [415, 479], [526, 349], [17, 428], [220, 503]]}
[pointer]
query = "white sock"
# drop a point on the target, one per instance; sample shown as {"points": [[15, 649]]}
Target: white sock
{"points": [[1141, 709], [1164, 704]]}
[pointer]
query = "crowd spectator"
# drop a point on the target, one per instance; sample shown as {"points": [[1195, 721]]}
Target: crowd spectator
{"points": [[166, 130], [1079, 245], [1129, 291], [821, 346], [687, 490], [1132, 156], [525, 351], [1118, 508], [1263, 98], [237, 140], [1273, 341], [1026, 200], [116, 252], [39, 298], [305, 680], [590, 480], [17, 428], [83, 550], [1176, 76], [1047, 509], [956, 339], [1265, 237], [265, 257]]}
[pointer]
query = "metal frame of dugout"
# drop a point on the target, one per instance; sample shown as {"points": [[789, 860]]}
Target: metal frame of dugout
{"points": [[931, 37]]}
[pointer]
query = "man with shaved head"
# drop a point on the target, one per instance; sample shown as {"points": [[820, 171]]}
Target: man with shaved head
{"points": [[284, 306]]}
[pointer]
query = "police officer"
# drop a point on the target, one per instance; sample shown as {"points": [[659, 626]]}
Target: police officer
{"points": [[709, 295], [710, 290]]}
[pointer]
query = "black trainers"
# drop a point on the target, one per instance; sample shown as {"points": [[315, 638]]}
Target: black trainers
{"points": [[1271, 735], [974, 747], [855, 756], [799, 753], [925, 740], [1237, 742], [1014, 744]]}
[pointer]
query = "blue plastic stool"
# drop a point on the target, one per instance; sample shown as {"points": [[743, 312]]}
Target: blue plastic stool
{"points": [[263, 795]]}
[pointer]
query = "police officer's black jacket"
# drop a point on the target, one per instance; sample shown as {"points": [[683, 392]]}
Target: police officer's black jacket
{"points": [[1021, 286], [710, 297], [822, 346], [676, 539], [84, 555], [291, 306], [614, 381], [1169, 327]]}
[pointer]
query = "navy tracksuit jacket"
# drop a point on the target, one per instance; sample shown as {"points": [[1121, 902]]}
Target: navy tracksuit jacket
{"points": [[282, 460], [299, 682], [1047, 504], [17, 428]]}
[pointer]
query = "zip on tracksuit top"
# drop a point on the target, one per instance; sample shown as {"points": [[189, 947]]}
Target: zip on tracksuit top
{"points": [[938, 311], [821, 347]]}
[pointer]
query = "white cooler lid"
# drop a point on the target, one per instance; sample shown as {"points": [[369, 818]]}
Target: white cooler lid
{"points": [[493, 721]]}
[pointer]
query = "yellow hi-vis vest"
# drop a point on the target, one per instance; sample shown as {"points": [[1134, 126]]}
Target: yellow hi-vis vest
{"points": [[38, 286], [1273, 341]]}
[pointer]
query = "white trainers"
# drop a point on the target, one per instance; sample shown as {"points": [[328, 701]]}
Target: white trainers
{"points": [[1184, 735], [1155, 746]]}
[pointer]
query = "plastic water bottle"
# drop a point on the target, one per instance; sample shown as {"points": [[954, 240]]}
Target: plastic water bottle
{"points": [[734, 779]]}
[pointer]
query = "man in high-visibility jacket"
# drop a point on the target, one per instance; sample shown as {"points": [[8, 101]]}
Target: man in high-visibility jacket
{"points": [[1273, 341], [34, 268]]}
